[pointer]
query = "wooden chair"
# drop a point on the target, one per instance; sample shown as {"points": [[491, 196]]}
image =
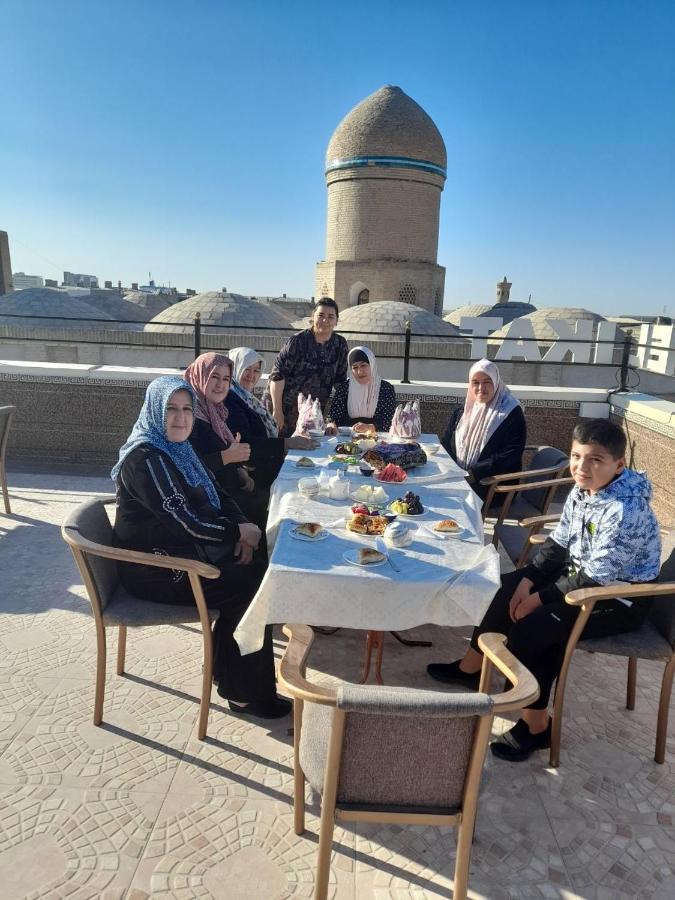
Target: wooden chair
{"points": [[392, 754], [527, 500], [6, 413], [655, 639], [88, 533]]}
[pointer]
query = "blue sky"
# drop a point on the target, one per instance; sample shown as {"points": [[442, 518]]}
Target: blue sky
{"points": [[189, 140]]}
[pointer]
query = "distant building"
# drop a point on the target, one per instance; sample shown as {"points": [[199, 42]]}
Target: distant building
{"points": [[21, 281], [151, 288], [5, 265], [385, 170], [74, 279]]}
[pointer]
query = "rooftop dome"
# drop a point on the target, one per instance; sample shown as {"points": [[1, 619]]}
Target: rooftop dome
{"points": [[386, 318], [218, 309], [470, 309], [388, 123], [50, 308], [130, 316], [542, 330], [153, 304], [512, 309]]}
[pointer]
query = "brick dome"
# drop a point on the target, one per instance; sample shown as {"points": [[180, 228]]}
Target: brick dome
{"points": [[387, 318], [51, 308], [454, 317], [539, 319], [388, 123], [218, 309]]}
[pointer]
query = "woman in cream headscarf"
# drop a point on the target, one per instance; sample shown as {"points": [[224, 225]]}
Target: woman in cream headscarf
{"points": [[487, 436], [248, 416], [366, 400]]}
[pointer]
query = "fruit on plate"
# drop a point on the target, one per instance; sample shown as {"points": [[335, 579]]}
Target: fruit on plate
{"points": [[407, 456], [408, 505], [348, 448], [391, 472], [359, 510]]}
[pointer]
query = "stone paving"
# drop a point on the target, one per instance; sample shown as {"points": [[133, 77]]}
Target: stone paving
{"points": [[140, 808]]}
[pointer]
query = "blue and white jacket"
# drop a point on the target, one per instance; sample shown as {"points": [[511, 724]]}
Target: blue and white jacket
{"points": [[609, 536]]}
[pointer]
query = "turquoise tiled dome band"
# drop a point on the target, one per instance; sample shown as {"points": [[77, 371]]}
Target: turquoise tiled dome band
{"points": [[399, 162]]}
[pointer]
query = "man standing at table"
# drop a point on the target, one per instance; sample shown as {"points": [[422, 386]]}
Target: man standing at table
{"points": [[311, 362]]}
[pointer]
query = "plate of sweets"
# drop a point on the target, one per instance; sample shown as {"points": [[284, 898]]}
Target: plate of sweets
{"points": [[367, 525], [370, 495], [407, 505], [365, 556]]}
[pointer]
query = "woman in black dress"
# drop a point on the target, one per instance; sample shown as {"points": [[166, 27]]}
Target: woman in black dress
{"points": [[167, 503], [487, 435], [366, 400]]}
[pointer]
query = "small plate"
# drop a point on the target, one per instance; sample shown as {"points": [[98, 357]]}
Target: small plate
{"points": [[381, 503], [321, 536], [351, 556]]}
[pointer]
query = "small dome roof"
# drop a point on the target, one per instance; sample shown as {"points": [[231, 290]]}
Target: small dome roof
{"points": [[543, 331], [217, 309], [152, 303], [51, 308], [470, 309], [130, 316], [509, 311], [388, 317], [387, 123]]}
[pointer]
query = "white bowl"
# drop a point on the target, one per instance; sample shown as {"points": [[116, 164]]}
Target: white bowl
{"points": [[308, 486], [345, 430]]}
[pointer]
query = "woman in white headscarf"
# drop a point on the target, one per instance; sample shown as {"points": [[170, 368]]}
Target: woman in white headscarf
{"points": [[248, 416], [365, 400], [487, 436]]}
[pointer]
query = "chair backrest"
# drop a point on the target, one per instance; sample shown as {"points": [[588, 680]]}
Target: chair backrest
{"points": [[407, 748], [662, 612], [544, 458], [6, 413], [89, 520]]}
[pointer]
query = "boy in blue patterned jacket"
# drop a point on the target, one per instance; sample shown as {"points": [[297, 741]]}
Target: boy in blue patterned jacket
{"points": [[607, 532]]}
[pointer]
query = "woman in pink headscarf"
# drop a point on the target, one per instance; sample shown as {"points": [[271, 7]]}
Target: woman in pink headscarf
{"points": [[224, 453], [487, 436]]}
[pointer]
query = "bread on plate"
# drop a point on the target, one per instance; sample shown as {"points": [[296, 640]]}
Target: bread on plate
{"points": [[367, 556], [309, 529]]}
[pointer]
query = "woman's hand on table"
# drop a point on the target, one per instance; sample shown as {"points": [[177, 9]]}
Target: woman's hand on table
{"points": [[237, 452], [331, 428], [300, 442]]}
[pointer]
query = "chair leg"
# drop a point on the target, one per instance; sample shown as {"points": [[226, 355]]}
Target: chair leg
{"points": [[207, 681], [5, 492], [464, 842], [631, 682], [121, 648], [298, 774], [100, 672], [664, 707], [328, 801]]}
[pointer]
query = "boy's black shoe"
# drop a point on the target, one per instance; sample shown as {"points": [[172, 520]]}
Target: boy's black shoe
{"points": [[276, 708], [450, 673], [519, 743]]}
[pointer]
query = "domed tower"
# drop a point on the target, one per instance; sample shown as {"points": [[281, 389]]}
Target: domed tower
{"points": [[385, 170]]}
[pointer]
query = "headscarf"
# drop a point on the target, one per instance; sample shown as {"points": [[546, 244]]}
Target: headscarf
{"points": [[242, 359], [362, 398], [480, 420], [197, 375], [150, 428]]}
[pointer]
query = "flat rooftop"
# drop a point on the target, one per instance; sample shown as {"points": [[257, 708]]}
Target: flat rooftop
{"points": [[140, 808]]}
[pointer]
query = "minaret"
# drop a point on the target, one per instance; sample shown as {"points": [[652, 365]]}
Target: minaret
{"points": [[5, 265], [503, 291], [385, 170]]}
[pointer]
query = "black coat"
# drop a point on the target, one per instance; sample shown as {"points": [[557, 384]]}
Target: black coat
{"points": [[503, 452], [384, 411], [267, 453]]}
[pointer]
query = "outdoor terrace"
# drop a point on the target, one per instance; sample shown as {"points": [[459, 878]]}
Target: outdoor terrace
{"points": [[140, 808]]}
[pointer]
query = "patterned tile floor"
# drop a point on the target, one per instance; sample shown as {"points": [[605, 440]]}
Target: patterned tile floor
{"points": [[140, 808]]}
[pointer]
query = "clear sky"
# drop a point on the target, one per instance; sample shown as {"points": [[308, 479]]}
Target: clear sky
{"points": [[188, 139]]}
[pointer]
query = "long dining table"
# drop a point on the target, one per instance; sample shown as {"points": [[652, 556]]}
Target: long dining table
{"points": [[441, 579]]}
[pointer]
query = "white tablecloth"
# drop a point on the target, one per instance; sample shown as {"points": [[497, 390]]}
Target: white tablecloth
{"points": [[443, 581]]}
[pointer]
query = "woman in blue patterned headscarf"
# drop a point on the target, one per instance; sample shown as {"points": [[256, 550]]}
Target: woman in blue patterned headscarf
{"points": [[168, 503]]}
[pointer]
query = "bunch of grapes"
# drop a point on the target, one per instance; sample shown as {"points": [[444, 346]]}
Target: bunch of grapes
{"points": [[413, 502]]}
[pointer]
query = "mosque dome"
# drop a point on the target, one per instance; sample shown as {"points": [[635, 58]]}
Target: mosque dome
{"points": [[512, 309], [218, 309], [129, 316], [388, 123], [539, 319], [383, 319], [51, 308], [454, 317], [153, 304]]}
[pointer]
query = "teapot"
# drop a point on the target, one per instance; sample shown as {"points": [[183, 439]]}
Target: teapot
{"points": [[338, 487]]}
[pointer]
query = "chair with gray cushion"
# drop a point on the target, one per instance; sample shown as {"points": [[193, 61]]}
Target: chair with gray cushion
{"points": [[527, 499], [654, 640], [88, 532], [6, 413], [395, 754]]}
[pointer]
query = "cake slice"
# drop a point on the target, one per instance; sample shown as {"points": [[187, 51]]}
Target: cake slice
{"points": [[367, 556], [309, 529], [305, 462]]}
